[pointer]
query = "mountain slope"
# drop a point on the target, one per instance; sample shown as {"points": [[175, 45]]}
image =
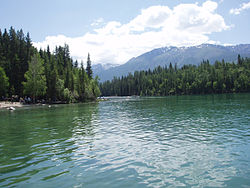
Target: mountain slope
{"points": [[180, 56]]}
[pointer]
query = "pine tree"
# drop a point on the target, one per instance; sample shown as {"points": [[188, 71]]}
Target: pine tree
{"points": [[82, 82], [239, 60], [89, 69], [26, 70], [3, 82], [53, 77], [76, 64]]}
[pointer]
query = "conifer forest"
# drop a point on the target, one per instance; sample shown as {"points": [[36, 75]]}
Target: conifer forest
{"points": [[42, 74]]}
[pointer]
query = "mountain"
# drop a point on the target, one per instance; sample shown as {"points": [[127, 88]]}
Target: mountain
{"points": [[180, 56], [98, 68]]}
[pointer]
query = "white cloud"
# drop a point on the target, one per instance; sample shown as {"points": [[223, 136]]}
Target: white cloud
{"points": [[243, 6], [156, 26], [97, 22], [152, 17]]}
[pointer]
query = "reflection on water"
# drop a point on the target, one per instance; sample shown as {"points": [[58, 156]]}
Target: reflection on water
{"points": [[194, 141], [36, 141]]}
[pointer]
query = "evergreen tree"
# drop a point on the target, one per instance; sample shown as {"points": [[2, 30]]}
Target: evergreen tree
{"points": [[53, 77], [82, 80], [221, 77], [4, 83], [95, 89], [44, 74], [88, 68], [76, 64], [239, 60]]}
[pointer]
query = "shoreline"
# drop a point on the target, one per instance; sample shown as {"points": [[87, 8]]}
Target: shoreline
{"points": [[7, 104], [10, 105]]}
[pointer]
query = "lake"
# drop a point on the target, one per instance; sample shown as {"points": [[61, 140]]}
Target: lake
{"points": [[175, 141]]}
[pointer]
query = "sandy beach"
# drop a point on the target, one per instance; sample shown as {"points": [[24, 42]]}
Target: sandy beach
{"points": [[6, 104]]}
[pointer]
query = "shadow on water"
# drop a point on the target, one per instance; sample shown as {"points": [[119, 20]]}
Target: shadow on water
{"points": [[33, 140]]}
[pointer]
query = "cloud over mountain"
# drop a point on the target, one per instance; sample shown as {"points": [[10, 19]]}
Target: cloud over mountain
{"points": [[156, 26]]}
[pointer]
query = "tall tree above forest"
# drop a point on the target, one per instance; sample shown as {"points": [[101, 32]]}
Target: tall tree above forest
{"points": [[89, 68]]}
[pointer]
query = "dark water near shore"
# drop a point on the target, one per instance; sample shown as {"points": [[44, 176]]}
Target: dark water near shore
{"points": [[193, 141]]}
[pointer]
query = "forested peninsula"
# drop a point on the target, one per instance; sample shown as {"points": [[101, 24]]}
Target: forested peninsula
{"points": [[206, 78], [29, 75]]}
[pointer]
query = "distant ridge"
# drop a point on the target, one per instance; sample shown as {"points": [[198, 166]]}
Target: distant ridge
{"points": [[179, 55]]}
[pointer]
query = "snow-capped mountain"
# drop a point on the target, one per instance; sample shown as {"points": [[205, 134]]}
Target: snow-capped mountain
{"points": [[175, 55]]}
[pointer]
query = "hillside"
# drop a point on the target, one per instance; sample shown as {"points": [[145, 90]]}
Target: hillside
{"points": [[180, 56], [205, 78]]}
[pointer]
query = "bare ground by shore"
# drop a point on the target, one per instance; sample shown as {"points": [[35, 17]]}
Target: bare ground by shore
{"points": [[6, 104]]}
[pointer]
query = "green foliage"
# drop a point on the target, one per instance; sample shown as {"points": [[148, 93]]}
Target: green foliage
{"points": [[15, 52], [95, 88], [35, 84], [60, 88], [203, 79], [89, 69], [87, 88], [68, 97], [51, 76], [4, 82]]}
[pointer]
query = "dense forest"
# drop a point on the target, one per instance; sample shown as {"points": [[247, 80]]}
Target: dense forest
{"points": [[42, 75], [206, 78], [54, 76]]}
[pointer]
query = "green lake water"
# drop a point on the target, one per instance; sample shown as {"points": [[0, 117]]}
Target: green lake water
{"points": [[176, 141]]}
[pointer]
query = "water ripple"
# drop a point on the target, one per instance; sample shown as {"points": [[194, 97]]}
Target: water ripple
{"points": [[189, 141]]}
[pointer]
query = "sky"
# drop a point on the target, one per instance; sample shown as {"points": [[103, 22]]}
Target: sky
{"points": [[114, 31]]}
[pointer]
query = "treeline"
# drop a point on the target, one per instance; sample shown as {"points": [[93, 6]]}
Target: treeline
{"points": [[42, 75], [220, 77]]}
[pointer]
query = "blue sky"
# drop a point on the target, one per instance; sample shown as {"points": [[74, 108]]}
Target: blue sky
{"points": [[114, 31]]}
